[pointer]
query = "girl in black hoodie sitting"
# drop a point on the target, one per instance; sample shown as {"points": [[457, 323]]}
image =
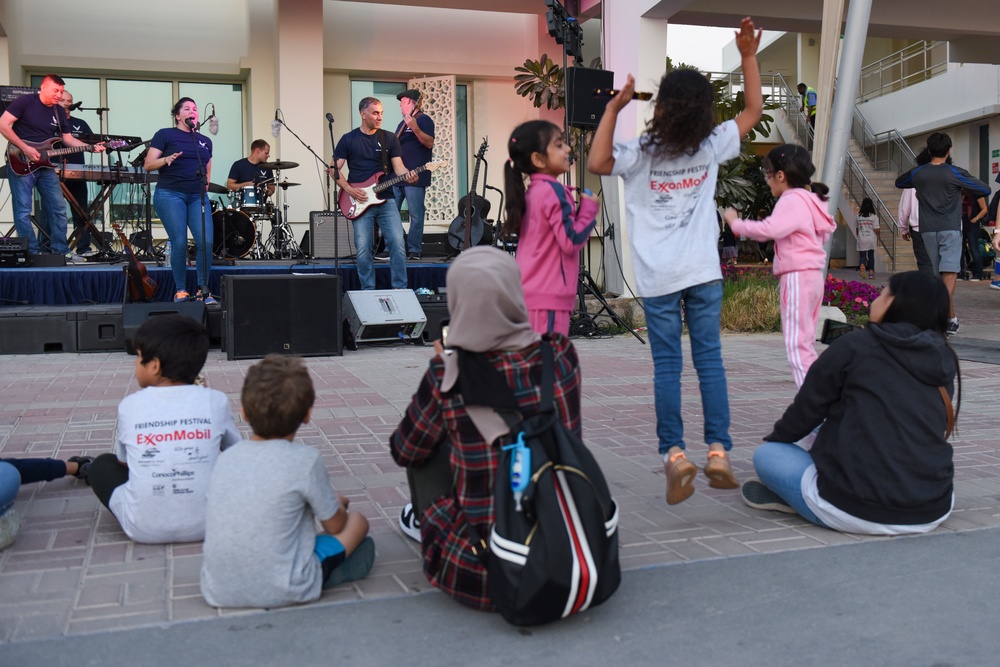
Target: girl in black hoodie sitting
{"points": [[881, 397]]}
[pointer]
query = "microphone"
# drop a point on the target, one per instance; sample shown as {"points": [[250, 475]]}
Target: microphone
{"points": [[74, 106], [611, 92], [276, 124], [329, 116], [213, 124], [190, 123]]}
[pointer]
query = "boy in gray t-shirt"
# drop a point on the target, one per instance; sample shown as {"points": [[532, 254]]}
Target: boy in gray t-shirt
{"points": [[264, 497]]}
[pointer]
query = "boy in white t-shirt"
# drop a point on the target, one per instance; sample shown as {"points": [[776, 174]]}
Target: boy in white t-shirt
{"points": [[169, 434], [264, 498]]}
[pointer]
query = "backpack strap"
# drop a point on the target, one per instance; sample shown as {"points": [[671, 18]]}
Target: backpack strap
{"points": [[949, 410]]}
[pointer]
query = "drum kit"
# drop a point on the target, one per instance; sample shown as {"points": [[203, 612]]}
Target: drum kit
{"points": [[238, 222]]}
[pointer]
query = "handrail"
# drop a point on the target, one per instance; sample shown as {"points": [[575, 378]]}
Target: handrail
{"points": [[777, 91], [858, 187], [908, 66], [887, 151]]}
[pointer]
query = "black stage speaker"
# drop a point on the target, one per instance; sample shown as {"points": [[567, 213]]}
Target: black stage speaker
{"points": [[585, 110], [331, 235], [282, 314], [134, 314]]}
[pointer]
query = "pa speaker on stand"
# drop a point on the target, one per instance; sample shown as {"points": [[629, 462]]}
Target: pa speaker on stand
{"points": [[583, 108]]}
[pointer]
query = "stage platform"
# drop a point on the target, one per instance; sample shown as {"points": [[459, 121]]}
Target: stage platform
{"points": [[102, 283]]}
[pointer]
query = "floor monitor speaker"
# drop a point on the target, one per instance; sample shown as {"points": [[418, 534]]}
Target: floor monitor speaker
{"points": [[283, 314], [134, 314], [384, 315], [582, 108], [330, 235]]}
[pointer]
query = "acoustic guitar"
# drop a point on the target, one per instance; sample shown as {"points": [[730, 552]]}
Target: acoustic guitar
{"points": [[353, 208], [466, 230], [19, 162], [140, 286]]}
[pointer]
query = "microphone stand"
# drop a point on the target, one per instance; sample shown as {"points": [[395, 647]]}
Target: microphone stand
{"points": [[203, 182], [336, 215], [318, 159]]}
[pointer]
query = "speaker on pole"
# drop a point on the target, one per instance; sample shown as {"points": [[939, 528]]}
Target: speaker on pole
{"points": [[585, 110]]}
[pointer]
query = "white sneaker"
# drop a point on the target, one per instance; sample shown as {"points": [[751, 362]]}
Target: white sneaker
{"points": [[10, 524], [408, 523]]}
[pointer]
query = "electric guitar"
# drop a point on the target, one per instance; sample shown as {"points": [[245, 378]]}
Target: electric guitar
{"points": [[352, 208], [21, 165], [466, 230]]}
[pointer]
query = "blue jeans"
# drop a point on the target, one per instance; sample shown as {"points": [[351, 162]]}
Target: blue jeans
{"points": [[780, 466], [702, 306], [10, 482], [414, 197], [179, 212], [53, 211], [387, 217]]}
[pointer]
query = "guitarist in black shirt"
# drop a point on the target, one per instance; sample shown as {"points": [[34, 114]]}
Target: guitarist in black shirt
{"points": [[30, 120]]}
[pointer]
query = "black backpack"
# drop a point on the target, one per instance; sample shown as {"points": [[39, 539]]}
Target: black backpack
{"points": [[553, 549]]}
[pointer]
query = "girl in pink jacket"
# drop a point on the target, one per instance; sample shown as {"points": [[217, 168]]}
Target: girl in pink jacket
{"points": [[551, 228], [800, 226]]}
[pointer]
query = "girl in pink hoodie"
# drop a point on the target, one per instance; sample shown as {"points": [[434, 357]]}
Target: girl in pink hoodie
{"points": [[800, 226], [551, 228]]}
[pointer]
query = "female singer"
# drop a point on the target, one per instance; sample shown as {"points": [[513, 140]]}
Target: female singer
{"points": [[180, 154]]}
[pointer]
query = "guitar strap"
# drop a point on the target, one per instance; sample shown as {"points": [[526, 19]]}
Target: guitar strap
{"points": [[383, 139]]}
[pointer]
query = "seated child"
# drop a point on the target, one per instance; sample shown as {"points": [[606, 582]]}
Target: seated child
{"points": [[169, 434], [264, 496], [15, 472]]}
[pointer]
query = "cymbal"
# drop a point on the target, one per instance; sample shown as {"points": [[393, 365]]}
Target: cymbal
{"points": [[217, 189], [278, 164], [286, 184]]}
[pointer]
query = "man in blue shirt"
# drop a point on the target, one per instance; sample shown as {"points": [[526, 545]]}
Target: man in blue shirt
{"points": [[416, 139]]}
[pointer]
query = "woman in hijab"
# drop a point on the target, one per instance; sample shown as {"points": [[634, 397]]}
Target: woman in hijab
{"points": [[455, 413]]}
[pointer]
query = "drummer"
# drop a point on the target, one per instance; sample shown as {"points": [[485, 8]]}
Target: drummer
{"points": [[247, 172]]}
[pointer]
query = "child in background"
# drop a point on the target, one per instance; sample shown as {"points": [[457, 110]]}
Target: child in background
{"points": [[169, 435], [551, 228], [729, 251], [670, 174], [264, 497], [867, 233], [800, 226]]}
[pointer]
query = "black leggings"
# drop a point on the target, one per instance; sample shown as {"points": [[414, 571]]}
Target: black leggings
{"points": [[106, 475]]}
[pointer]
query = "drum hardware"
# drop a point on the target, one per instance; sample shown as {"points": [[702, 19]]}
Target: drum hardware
{"points": [[278, 165], [217, 189], [235, 233]]}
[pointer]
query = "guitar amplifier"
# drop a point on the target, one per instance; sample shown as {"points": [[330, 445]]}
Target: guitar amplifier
{"points": [[384, 315], [330, 235], [14, 252]]}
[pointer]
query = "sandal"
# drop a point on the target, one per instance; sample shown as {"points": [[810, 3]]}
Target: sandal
{"points": [[680, 475], [719, 471]]}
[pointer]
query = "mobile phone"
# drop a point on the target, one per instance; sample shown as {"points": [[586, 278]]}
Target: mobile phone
{"points": [[832, 330], [444, 331]]}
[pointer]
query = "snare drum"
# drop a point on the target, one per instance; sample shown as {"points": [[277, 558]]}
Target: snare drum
{"points": [[249, 199], [235, 233]]}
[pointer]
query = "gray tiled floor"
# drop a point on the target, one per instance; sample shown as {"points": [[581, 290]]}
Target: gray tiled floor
{"points": [[72, 570]]}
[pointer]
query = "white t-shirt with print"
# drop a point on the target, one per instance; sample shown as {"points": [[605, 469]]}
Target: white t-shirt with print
{"points": [[671, 212], [170, 438], [866, 232]]}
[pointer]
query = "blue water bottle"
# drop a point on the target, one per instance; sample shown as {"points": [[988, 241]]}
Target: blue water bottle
{"points": [[520, 469]]}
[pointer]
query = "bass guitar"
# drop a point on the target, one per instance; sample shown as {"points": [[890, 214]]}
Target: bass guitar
{"points": [[353, 208], [140, 286], [19, 162], [466, 230]]}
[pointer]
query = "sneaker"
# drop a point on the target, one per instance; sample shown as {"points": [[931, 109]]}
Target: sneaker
{"points": [[953, 326], [719, 471], [356, 566], [382, 256], [680, 477], [83, 467], [181, 295], [10, 524], [995, 284], [759, 497], [208, 300], [416, 256], [408, 523], [86, 252]]}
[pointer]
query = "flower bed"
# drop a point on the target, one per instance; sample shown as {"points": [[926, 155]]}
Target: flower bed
{"points": [[851, 297]]}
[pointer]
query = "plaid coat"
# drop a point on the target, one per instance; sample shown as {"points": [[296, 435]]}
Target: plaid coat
{"points": [[433, 418]]}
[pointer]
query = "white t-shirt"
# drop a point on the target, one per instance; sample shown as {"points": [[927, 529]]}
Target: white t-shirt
{"points": [[260, 530], [867, 226], [170, 438], [671, 212]]}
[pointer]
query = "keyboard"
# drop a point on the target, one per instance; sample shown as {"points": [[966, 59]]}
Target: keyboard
{"points": [[101, 174]]}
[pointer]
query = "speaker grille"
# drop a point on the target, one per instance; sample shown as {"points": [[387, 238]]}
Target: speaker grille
{"points": [[583, 109], [330, 235]]}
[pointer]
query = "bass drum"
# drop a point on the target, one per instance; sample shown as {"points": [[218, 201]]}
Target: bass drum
{"points": [[234, 233]]}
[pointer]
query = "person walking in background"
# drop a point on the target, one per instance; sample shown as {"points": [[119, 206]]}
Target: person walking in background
{"points": [[551, 227], [867, 234], [800, 226], [974, 210], [670, 174], [808, 105], [909, 221]]}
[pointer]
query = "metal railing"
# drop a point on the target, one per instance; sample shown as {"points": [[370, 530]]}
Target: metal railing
{"points": [[917, 62], [858, 187], [776, 91], [887, 151]]}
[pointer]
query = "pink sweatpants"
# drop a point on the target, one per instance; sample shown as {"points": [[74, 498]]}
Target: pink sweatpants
{"points": [[549, 321], [801, 298]]}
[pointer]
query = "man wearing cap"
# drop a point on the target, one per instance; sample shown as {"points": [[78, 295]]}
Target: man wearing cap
{"points": [[416, 139]]}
